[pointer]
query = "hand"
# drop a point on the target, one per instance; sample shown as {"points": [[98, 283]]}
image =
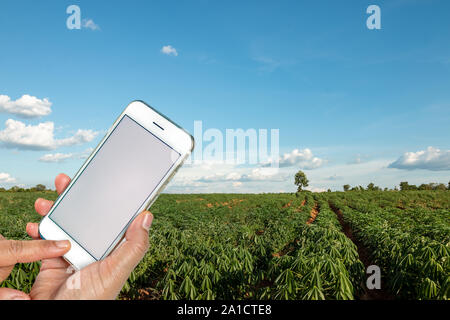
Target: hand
{"points": [[100, 280], [13, 251]]}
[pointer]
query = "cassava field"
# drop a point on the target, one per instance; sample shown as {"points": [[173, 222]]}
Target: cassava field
{"points": [[279, 246]]}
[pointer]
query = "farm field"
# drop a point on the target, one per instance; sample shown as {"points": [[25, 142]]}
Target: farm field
{"points": [[278, 246]]}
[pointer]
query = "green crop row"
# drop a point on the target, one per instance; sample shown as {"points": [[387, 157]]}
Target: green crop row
{"points": [[412, 247], [240, 246]]}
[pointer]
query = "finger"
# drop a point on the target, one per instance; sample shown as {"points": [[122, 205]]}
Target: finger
{"points": [[118, 266], [33, 230], [61, 182], [5, 272], [136, 245], [14, 251], [54, 263], [43, 206], [11, 294]]}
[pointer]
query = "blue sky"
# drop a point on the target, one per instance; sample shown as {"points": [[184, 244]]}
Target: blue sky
{"points": [[371, 105]]}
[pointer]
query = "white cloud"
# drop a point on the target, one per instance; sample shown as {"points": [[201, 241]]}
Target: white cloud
{"points": [[6, 178], [61, 157], [26, 106], [313, 189], [89, 24], [85, 154], [430, 159], [18, 135], [257, 174], [302, 159], [220, 177], [334, 177], [56, 157], [356, 160], [169, 50]]}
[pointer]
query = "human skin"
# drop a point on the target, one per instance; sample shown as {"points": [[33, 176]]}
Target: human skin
{"points": [[14, 251], [100, 280]]}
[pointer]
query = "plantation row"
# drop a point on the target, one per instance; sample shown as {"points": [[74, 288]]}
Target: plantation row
{"points": [[412, 246], [238, 247], [277, 246]]}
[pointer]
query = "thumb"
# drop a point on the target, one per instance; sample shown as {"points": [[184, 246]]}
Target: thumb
{"points": [[11, 294], [125, 258], [131, 252]]}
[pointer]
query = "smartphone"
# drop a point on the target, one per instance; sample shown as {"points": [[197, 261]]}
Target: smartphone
{"points": [[122, 177]]}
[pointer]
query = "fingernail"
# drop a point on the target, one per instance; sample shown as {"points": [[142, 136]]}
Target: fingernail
{"points": [[62, 244], [147, 223]]}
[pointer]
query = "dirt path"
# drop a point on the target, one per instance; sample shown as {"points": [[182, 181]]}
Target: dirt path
{"points": [[287, 205], [299, 208], [314, 213], [290, 246], [365, 258]]}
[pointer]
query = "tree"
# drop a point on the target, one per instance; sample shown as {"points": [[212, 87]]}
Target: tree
{"points": [[448, 185], [440, 186], [300, 180], [425, 186], [40, 187], [371, 186], [346, 187], [404, 186]]}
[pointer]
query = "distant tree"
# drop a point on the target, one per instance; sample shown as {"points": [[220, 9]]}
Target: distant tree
{"points": [[2, 189], [440, 186], [361, 188], [425, 186], [329, 190], [346, 187], [448, 185], [386, 189], [301, 181], [370, 186], [40, 187], [406, 186]]}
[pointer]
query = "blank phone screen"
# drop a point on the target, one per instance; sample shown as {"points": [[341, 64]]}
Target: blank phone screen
{"points": [[113, 186]]}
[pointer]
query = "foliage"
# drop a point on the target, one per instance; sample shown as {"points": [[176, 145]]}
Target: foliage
{"points": [[410, 242], [300, 180], [241, 246]]}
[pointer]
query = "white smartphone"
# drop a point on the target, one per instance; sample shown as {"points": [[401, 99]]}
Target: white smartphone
{"points": [[121, 178]]}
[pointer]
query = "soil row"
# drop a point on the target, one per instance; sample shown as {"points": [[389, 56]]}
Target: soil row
{"points": [[364, 256]]}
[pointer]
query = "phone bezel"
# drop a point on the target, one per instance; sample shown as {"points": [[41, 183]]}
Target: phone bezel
{"points": [[159, 125]]}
